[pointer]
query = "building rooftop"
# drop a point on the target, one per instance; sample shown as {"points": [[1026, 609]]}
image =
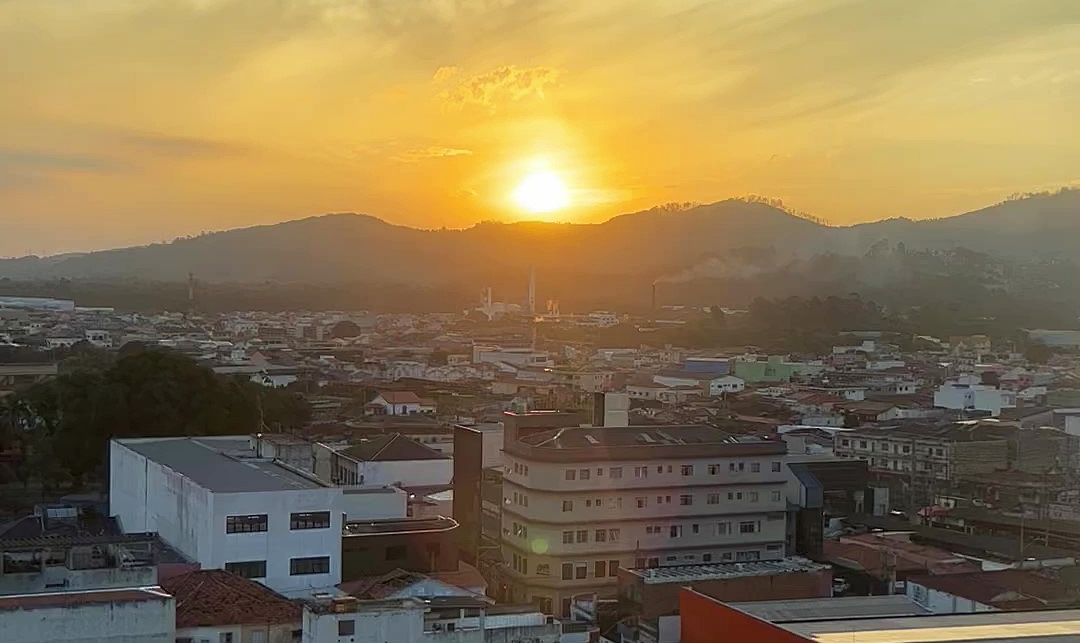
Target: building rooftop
{"points": [[818, 609], [392, 448], [218, 464], [66, 600], [212, 597], [398, 526], [583, 437], [697, 573], [1053, 626]]}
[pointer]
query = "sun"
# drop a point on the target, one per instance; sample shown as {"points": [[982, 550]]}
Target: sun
{"points": [[542, 192]]}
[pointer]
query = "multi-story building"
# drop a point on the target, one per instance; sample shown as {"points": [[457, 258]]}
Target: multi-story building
{"points": [[218, 503], [581, 502]]}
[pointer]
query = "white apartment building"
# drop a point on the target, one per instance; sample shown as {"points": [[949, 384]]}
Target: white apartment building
{"points": [[580, 502], [967, 393], [215, 501]]}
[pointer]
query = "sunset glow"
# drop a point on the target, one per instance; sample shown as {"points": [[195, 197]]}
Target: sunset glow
{"points": [[542, 193]]}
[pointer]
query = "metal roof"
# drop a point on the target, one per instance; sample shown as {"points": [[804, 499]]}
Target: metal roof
{"points": [[1048, 626], [819, 609], [204, 462]]}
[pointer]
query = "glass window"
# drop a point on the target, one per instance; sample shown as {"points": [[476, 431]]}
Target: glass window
{"points": [[642, 502], [567, 505], [612, 567], [753, 496], [583, 536], [581, 571], [748, 527], [567, 571], [776, 496], [568, 537], [686, 500], [706, 558], [245, 524], [600, 569], [584, 474], [309, 566], [600, 536], [776, 467], [615, 472], [713, 499], [714, 469], [571, 474], [346, 627], [755, 467], [247, 568], [613, 535], [687, 469], [311, 520], [675, 531]]}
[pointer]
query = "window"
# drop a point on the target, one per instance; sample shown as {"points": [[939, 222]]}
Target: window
{"points": [[687, 469], [659, 500], [748, 555], [600, 569], [726, 556], [245, 524], [706, 558], [346, 627], [730, 495], [600, 536], [581, 571], [675, 531], [641, 472], [712, 499], [723, 528], [571, 474], [749, 527], [714, 469], [258, 637], [613, 535], [568, 537], [755, 467], [397, 552], [588, 503], [314, 565], [543, 569], [731, 467], [567, 571], [776, 496], [667, 500], [642, 502], [225, 637], [313, 520], [753, 496], [845, 442], [599, 472], [653, 562], [247, 568], [612, 567], [738, 495], [773, 548], [694, 528], [862, 444], [686, 500], [615, 473], [584, 474], [671, 559], [742, 466], [567, 505], [583, 536], [597, 502]]}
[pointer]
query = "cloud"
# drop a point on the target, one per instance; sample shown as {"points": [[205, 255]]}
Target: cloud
{"points": [[443, 74], [14, 160], [430, 152], [180, 146], [503, 84]]}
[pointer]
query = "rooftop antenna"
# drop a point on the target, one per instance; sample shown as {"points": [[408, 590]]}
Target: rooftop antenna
{"points": [[191, 294], [532, 290]]}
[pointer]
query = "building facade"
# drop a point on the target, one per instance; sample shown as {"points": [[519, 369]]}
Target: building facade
{"points": [[581, 502]]}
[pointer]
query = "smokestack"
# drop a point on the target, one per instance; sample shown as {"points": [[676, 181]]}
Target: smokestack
{"points": [[532, 290], [654, 295]]}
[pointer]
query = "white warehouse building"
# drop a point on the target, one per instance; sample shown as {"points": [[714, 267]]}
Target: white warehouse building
{"points": [[217, 503]]}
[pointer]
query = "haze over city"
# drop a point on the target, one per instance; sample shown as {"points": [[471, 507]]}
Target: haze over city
{"points": [[127, 122]]}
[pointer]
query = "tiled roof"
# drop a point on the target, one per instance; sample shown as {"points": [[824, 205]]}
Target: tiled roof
{"points": [[393, 447], [1000, 588], [400, 397], [214, 597]]}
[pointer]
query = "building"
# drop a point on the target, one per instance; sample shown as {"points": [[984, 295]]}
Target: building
{"points": [[518, 357], [214, 605], [391, 459], [649, 598], [394, 403], [433, 620], [219, 504], [967, 393], [17, 376], [874, 619], [581, 502], [990, 591], [77, 563], [416, 544], [146, 615], [38, 303]]}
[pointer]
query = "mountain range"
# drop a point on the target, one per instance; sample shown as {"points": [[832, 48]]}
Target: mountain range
{"points": [[663, 244]]}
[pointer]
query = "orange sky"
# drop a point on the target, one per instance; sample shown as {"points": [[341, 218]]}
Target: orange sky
{"points": [[130, 121]]}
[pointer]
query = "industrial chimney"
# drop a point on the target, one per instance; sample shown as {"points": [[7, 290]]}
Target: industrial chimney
{"points": [[654, 295]]}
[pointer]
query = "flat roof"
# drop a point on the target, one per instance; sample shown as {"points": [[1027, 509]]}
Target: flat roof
{"points": [[818, 609], [68, 600], [1049, 626], [207, 462], [720, 571]]}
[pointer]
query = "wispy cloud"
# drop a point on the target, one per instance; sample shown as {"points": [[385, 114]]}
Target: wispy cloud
{"points": [[430, 152], [179, 146], [502, 84], [15, 159]]}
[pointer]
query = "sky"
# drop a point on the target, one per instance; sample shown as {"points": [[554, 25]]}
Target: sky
{"points": [[131, 121]]}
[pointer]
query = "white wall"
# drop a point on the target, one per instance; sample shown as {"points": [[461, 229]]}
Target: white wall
{"points": [[397, 624], [360, 503], [942, 602], [142, 621], [410, 473], [279, 543]]}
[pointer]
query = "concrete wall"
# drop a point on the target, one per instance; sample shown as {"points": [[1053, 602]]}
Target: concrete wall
{"points": [[279, 543], [702, 619], [662, 599], [939, 602], [78, 579], [241, 633], [409, 473], [142, 621], [398, 624]]}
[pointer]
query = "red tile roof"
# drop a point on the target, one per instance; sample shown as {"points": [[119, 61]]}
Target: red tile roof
{"points": [[1005, 589], [213, 597]]}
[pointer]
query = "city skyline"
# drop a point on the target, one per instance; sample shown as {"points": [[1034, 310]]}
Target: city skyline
{"points": [[139, 122]]}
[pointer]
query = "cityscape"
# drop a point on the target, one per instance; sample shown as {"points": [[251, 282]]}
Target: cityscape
{"points": [[539, 321]]}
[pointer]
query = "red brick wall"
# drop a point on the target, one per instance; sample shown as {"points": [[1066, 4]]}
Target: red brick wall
{"points": [[705, 620]]}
